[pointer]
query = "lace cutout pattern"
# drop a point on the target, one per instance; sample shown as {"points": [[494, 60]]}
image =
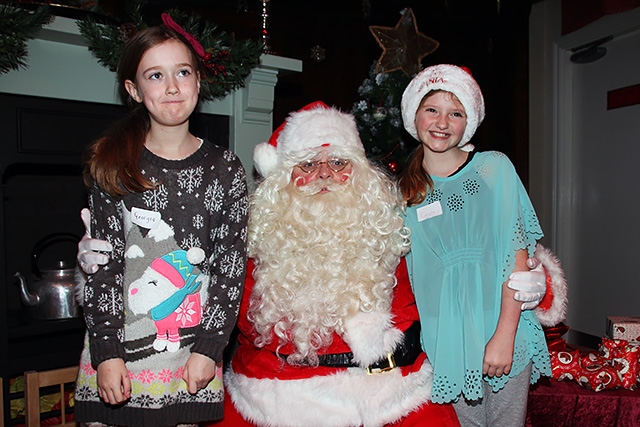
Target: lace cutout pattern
{"points": [[470, 186], [447, 390], [533, 348], [434, 196], [486, 168], [455, 203]]}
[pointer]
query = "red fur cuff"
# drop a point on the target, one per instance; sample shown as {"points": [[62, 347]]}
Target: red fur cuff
{"points": [[553, 307]]}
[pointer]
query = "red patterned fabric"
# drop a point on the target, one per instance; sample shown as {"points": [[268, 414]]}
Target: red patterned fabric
{"points": [[614, 365]]}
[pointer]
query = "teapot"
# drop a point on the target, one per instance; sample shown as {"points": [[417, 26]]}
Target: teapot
{"points": [[51, 294]]}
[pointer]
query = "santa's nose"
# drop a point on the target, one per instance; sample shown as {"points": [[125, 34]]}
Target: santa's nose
{"points": [[324, 171]]}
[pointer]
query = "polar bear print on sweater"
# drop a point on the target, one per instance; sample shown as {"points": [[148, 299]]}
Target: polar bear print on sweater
{"points": [[166, 288], [169, 290]]}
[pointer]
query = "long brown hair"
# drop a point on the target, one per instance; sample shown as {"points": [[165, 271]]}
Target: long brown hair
{"points": [[112, 161], [415, 182]]}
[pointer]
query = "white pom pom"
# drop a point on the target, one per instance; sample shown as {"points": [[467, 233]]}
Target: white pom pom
{"points": [[195, 255], [265, 158]]}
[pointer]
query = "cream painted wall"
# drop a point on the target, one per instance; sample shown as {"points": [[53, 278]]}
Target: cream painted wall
{"points": [[582, 161], [60, 66]]}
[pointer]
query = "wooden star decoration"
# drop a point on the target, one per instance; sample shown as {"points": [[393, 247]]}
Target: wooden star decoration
{"points": [[403, 46]]}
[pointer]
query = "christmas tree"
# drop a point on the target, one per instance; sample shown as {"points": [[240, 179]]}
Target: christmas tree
{"points": [[379, 119], [378, 114]]}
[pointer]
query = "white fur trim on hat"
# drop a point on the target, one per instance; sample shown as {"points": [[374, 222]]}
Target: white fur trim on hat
{"points": [[450, 78], [265, 158], [315, 125]]}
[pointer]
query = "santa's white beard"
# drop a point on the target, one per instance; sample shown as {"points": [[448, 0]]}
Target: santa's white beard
{"points": [[320, 259]]}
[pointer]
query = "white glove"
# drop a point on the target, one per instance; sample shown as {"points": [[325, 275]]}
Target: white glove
{"points": [[530, 286], [88, 257]]}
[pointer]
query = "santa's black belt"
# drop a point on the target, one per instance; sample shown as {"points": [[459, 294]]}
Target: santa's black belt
{"points": [[405, 354]]}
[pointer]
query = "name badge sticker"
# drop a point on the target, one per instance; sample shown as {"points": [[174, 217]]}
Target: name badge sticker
{"points": [[145, 218], [431, 210]]}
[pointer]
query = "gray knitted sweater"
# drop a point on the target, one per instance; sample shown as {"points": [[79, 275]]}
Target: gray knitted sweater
{"points": [[173, 286]]}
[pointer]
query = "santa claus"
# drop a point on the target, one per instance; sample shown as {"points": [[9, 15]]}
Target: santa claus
{"points": [[329, 333], [329, 330]]}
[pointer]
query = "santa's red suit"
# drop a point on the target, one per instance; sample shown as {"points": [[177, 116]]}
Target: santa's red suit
{"points": [[373, 371], [267, 391]]}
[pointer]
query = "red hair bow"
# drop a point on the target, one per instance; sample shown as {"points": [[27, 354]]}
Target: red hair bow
{"points": [[170, 23]]}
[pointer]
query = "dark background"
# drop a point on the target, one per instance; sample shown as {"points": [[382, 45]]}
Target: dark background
{"points": [[488, 36]]}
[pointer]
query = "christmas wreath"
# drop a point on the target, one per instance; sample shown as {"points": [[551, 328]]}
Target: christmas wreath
{"points": [[17, 25], [227, 61]]}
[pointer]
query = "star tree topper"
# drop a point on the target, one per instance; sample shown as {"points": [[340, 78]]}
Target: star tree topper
{"points": [[403, 46]]}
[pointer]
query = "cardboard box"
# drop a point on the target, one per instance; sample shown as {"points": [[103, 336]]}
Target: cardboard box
{"points": [[624, 328]]}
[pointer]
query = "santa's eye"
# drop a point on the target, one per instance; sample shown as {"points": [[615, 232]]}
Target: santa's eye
{"points": [[153, 282]]}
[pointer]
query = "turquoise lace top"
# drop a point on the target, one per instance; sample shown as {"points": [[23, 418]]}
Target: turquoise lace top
{"points": [[464, 239]]}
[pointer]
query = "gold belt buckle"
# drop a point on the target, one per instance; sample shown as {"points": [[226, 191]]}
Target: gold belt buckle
{"points": [[392, 366]]}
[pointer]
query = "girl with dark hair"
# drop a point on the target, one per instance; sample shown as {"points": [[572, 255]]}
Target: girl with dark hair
{"points": [[160, 312]]}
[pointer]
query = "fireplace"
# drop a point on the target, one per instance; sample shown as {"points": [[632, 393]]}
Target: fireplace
{"points": [[40, 167], [49, 112]]}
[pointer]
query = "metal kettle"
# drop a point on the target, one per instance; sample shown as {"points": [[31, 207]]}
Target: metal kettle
{"points": [[51, 294]]}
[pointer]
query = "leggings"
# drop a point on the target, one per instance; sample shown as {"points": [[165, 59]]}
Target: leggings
{"points": [[504, 408]]}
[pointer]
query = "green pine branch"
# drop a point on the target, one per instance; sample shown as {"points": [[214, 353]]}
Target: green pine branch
{"points": [[105, 41], [17, 25]]}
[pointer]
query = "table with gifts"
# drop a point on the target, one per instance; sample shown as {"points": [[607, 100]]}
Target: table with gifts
{"points": [[588, 388]]}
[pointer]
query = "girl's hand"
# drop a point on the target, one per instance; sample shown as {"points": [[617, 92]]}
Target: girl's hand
{"points": [[114, 385], [198, 372], [498, 356], [498, 353]]}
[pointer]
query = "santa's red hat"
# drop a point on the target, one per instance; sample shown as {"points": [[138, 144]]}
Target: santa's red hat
{"points": [[314, 125]]}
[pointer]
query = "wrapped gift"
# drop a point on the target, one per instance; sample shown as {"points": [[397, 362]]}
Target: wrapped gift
{"points": [[624, 357], [565, 365], [599, 377], [614, 365], [624, 328]]}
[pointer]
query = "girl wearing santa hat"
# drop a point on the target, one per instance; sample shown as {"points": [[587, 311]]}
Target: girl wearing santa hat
{"points": [[472, 225]]}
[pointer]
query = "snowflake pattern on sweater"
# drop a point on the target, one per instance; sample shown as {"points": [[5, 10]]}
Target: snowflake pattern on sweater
{"points": [[199, 204]]}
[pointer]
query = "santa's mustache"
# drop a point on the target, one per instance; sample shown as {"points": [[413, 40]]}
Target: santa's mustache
{"points": [[317, 186]]}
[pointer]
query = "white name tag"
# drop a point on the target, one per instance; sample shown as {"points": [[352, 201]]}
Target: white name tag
{"points": [[145, 218], [429, 211]]}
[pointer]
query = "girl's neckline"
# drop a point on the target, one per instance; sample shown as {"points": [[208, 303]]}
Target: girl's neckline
{"points": [[462, 166], [175, 163], [201, 141], [196, 150], [452, 175]]}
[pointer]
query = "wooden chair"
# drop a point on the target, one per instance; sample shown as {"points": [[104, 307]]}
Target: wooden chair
{"points": [[34, 381]]}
